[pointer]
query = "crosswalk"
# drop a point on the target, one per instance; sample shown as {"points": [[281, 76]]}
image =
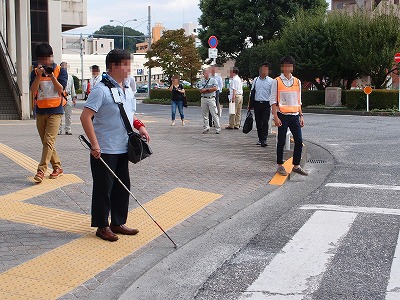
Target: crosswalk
{"points": [[297, 271]]}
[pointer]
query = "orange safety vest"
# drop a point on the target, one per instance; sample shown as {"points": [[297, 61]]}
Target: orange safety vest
{"points": [[288, 97], [47, 96]]}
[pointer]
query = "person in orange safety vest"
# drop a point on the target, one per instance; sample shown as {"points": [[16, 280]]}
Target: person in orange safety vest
{"points": [[285, 101]]}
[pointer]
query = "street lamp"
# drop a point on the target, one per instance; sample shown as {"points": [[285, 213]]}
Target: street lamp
{"points": [[123, 29]]}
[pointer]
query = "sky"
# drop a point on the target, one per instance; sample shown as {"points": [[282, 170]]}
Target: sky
{"points": [[171, 13]]}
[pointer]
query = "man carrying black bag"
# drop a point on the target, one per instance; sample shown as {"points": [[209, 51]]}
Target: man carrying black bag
{"points": [[109, 139], [262, 110]]}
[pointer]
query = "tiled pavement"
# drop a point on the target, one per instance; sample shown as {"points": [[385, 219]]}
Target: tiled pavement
{"points": [[229, 164]]}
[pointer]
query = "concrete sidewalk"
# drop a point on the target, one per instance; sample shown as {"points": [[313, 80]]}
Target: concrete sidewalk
{"points": [[191, 183]]}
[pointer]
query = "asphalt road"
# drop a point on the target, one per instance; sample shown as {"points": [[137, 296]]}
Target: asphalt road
{"points": [[331, 235]]}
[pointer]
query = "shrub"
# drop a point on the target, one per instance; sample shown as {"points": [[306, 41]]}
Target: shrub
{"points": [[309, 98], [378, 99]]}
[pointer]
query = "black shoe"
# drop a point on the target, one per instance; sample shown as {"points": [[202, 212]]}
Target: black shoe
{"points": [[264, 144]]}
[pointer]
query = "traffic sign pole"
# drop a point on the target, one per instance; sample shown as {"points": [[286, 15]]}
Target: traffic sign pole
{"points": [[367, 91]]}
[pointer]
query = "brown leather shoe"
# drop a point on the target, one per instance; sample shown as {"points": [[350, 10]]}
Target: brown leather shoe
{"points": [[38, 177], [56, 173], [123, 229], [106, 234]]}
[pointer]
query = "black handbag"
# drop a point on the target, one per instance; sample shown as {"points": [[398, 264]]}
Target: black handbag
{"points": [[185, 104], [248, 122], [252, 95], [138, 148]]}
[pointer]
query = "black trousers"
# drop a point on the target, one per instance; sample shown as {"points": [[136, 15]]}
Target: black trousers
{"points": [[262, 111], [293, 123], [108, 194]]}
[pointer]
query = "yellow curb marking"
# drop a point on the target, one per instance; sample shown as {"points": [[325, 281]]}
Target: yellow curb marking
{"points": [[279, 179], [59, 271]]}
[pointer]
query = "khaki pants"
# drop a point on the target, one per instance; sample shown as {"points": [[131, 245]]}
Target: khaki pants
{"points": [[209, 105], [234, 120], [47, 126]]}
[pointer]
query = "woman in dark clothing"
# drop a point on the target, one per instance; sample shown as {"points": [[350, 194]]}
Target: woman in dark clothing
{"points": [[177, 99]]}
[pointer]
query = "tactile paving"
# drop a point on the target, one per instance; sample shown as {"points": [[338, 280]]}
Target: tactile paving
{"points": [[59, 271]]}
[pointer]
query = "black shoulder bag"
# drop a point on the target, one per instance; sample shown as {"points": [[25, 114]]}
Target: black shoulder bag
{"points": [[138, 148]]}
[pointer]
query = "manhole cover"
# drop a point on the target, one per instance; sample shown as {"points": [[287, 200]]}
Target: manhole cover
{"points": [[316, 161]]}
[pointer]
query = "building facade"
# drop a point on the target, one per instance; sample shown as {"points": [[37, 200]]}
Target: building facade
{"points": [[23, 24]]}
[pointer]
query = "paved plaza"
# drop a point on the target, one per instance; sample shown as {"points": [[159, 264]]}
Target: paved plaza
{"points": [[191, 183]]}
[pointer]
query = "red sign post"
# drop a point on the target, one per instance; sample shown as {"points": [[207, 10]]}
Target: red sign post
{"points": [[397, 57]]}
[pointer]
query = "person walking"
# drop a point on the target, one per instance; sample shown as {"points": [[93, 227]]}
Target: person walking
{"points": [[262, 109], [218, 78], [47, 82], [235, 96], [109, 140], [208, 88], [177, 99], [285, 101], [70, 93], [96, 78]]}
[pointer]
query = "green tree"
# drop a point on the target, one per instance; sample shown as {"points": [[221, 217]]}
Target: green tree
{"points": [[240, 23], [176, 54], [337, 47], [132, 36]]}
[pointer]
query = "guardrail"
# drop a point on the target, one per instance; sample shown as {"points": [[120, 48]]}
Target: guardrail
{"points": [[11, 73]]}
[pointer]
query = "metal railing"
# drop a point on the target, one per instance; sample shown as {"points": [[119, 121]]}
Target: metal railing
{"points": [[11, 73]]}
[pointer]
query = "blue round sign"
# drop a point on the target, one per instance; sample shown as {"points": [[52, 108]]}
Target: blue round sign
{"points": [[213, 41]]}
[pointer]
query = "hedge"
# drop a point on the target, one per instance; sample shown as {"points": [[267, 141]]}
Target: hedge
{"points": [[353, 99], [193, 96], [378, 99]]}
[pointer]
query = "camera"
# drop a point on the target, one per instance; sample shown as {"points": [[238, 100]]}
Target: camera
{"points": [[47, 70]]}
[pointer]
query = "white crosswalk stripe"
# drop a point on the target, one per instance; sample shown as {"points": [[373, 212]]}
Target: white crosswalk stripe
{"points": [[295, 272], [393, 288], [298, 268]]}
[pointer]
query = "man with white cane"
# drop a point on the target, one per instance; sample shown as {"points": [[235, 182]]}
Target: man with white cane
{"points": [[109, 140]]}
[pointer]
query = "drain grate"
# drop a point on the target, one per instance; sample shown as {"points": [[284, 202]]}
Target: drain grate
{"points": [[316, 161]]}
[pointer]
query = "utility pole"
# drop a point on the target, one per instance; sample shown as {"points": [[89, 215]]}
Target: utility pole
{"points": [[81, 41], [148, 49]]}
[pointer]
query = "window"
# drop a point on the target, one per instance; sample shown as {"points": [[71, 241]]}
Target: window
{"points": [[39, 23], [101, 46]]}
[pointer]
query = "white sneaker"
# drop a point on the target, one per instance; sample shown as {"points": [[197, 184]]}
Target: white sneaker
{"points": [[173, 123], [183, 122], [206, 130]]}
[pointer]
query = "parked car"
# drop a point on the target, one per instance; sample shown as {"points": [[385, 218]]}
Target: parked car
{"points": [[142, 88], [155, 85]]}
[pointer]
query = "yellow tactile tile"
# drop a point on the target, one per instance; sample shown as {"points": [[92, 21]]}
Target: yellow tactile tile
{"points": [[47, 185], [57, 272], [279, 179], [21, 159], [51, 218]]}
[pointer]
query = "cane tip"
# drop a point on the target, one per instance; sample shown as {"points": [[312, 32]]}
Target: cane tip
{"points": [[176, 246]]}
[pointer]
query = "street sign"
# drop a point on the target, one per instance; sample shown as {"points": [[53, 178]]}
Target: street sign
{"points": [[367, 90], [397, 57], [213, 41], [212, 52]]}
